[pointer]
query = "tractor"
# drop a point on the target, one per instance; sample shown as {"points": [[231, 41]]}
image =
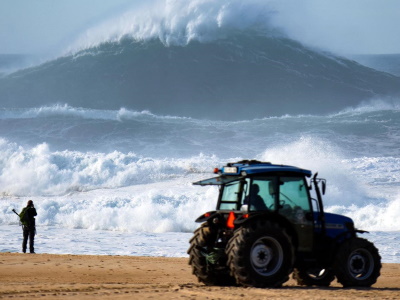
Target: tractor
{"points": [[267, 226]]}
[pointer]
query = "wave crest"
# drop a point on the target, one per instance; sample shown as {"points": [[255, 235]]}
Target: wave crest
{"points": [[65, 110], [179, 22]]}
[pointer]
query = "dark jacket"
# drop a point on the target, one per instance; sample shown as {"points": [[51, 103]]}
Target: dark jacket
{"points": [[31, 213]]}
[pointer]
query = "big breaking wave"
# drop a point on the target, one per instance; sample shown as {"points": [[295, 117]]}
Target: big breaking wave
{"points": [[206, 59]]}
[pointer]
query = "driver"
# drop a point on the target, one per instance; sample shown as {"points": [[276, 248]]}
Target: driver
{"points": [[256, 201]]}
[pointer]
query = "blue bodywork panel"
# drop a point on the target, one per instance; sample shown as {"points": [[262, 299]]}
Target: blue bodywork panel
{"points": [[336, 225]]}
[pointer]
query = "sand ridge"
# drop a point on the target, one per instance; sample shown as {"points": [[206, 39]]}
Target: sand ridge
{"points": [[49, 276]]}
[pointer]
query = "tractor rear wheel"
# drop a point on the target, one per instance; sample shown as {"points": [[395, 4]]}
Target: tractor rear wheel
{"points": [[260, 254], [207, 263], [357, 263]]}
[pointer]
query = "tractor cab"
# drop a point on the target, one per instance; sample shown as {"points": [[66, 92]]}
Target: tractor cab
{"points": [[251, 188]]}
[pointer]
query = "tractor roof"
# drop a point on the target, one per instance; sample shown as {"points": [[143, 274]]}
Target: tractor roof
{"points": [[257, 167], [233, 171]]}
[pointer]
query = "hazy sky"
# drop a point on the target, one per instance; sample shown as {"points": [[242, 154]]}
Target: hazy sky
{"points": [[32, 26], [343, 26]]}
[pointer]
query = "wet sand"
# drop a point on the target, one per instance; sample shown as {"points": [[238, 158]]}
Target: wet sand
{"points": [[49, 276]]}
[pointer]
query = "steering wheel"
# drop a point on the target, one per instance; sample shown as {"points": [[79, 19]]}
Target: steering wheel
{"points": [[281, 204]]}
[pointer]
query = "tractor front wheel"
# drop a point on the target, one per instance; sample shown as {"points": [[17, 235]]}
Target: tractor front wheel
{"points": [[357, 263]]}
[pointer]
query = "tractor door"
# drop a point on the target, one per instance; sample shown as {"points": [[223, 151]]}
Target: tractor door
{"points": [[295, 205]]}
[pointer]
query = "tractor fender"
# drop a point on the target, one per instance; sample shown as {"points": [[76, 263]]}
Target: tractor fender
{"points": [[207, 216], [347, 235]]}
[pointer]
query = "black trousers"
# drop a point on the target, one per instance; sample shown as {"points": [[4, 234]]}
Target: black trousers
{"points": [[28, 232]]}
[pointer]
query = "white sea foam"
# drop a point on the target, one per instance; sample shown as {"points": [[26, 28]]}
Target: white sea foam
{"points": [[73, 186], [375, 215], [38, 171], [171, 206], [60, 110], [68, 111], [65, 110], [372, 105]]}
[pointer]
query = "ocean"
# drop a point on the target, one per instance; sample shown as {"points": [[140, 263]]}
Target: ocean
{"points": [[107, 138]]}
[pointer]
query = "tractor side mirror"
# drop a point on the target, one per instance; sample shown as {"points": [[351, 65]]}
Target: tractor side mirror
{"points": [[323, 187]]}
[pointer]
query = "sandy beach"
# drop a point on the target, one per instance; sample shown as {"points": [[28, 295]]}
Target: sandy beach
{"points": [[49, 276]]}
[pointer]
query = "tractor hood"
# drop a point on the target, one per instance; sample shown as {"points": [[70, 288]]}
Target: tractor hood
{"points": [[336, 226], [332, 219]]}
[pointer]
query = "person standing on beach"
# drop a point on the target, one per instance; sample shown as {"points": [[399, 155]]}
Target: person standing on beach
{"points": [[29, 227]]}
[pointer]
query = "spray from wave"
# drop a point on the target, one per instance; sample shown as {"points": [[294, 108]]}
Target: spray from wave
{"points": [[180, 22]]}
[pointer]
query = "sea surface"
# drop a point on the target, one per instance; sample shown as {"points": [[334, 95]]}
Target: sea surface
{"points": [[111, 174]]}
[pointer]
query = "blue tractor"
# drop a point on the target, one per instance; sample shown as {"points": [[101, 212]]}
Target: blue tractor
{"points": [[267, 226]]}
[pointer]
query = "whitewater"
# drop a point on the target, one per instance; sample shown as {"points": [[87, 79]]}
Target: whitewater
{"points": [[119, 182], [108, 137]]}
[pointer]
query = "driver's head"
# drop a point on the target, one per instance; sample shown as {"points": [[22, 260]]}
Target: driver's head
{"points": [[255, 188]]}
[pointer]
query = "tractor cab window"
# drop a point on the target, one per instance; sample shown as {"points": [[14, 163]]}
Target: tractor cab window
{"points": [[260, 194], [230, 196], [294, 198]]}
